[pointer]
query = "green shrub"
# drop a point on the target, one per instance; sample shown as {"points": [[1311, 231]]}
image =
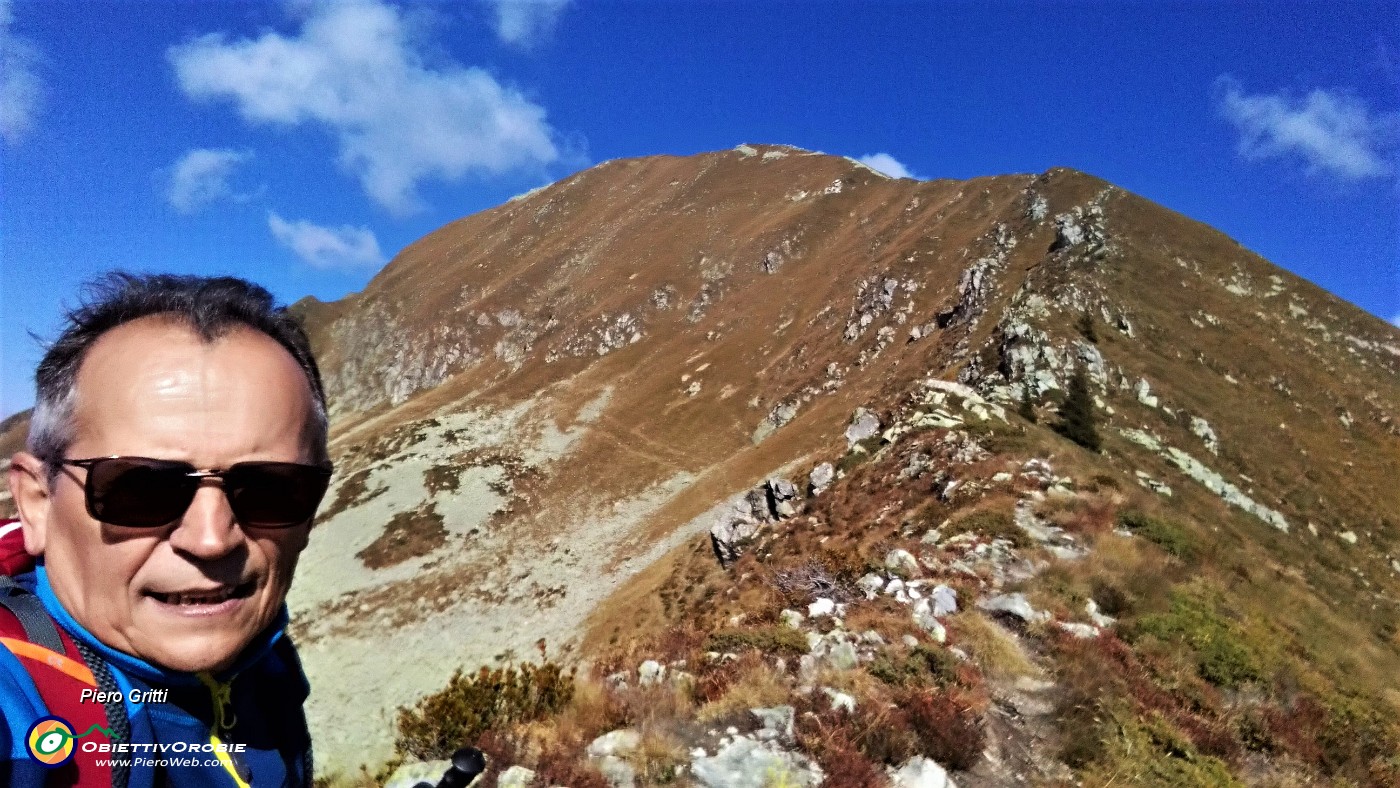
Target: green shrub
{"points": [[1156, 753], [923, 665], [1223, 657], [1165, 534], [859, 454], [769, 640], [471, 705]]}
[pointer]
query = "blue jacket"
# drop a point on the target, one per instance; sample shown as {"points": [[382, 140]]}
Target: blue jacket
{"points": [[256, 703]]}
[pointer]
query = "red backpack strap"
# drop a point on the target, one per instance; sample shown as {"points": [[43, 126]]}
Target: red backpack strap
{"points": [[14, 560], [60, 675]]}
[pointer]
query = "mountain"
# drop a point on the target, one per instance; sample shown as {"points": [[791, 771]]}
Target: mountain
{"points": [[552, 419]]}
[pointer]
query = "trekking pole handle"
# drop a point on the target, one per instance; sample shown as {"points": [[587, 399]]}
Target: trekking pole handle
{"points": [[467, 764]]}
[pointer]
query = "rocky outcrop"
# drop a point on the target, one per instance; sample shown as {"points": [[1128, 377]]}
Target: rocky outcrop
{"points": [[739, 521]]}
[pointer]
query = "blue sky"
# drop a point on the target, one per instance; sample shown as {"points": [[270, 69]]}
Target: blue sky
{"points": [[302, 144]]}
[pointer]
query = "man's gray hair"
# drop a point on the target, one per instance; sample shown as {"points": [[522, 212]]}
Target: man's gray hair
{"points": [[209, 306]]}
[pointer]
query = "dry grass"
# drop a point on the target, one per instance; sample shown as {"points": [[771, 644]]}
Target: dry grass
{"points": [[1090, 514], [410, 534], [885, 616], [992, 647], [755, 684]]}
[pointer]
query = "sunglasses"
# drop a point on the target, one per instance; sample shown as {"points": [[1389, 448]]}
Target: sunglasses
{"points": [[140, 492]]}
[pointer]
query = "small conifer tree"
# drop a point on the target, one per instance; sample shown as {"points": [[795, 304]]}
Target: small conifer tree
{"points": [[1087, 327], [1027, 407], [1077, 415]]}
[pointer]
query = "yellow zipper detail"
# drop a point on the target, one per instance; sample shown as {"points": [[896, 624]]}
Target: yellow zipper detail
{"points": [[224, 719]]}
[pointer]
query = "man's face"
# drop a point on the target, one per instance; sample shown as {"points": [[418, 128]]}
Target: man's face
{"points": [[152, 388]]}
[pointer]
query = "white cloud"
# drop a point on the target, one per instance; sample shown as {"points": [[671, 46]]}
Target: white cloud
{"points": [[1331, 131], [889, 165], [327, 247], [20, 90], [524, 23], [201, 177], [353, 71]]}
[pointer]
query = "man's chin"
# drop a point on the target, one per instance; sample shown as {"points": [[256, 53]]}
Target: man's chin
{"points": [[196, 656]]}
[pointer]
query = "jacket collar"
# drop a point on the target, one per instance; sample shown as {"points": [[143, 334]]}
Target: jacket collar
{"points": [[133, 666]]}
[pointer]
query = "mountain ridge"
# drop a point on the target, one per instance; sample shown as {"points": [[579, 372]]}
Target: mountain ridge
{"points": [[540, 410]]}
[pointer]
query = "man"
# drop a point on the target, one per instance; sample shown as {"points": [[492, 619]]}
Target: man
{"points": [[176, 456]]}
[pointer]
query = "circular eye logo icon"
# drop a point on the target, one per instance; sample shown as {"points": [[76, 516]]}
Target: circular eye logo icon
{"points": [[50, 741]]}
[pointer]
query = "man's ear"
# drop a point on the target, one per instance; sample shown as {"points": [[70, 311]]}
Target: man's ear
{"points": [[29, 484]]}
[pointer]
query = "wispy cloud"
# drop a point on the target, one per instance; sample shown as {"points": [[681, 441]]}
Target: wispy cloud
{"points": [[1330, 131], [201, 177], [327, 247], [20, 89], [524, 23], [889, 165], [353, 70]]}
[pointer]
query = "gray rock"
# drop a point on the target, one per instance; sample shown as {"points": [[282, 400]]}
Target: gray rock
{"points": [[1015, 605], [920, 772], [840, 701], [777, 720], [782, 495], [926, 621], [410, 774], [733, 526], [1081, 631], [1100, 620], [650, 672], [864, 424], [791, 619], [843, 656], [618, 772], [821, 607], [903, 562], [1228, 492], [1143, 390], [1037, 208], [749, 763], [1068, 232], [1201, 429], [945, 601], [515, 777], [871, 584], [618, 742], [821, 477]]}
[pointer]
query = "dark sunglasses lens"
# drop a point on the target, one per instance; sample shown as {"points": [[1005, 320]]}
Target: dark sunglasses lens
{"points": [[138, 493], [275, 494]]}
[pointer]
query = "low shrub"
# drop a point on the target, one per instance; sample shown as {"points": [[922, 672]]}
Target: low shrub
{"points": [[993, 524], [1167, 535], [769, 640], [920, 666], [859, 454], [852, 748], [470, 705], [947, 724], [409, 534], [1223, 657]]}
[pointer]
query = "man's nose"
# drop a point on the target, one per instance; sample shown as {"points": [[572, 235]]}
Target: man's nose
{"points": [[208, 529]]}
